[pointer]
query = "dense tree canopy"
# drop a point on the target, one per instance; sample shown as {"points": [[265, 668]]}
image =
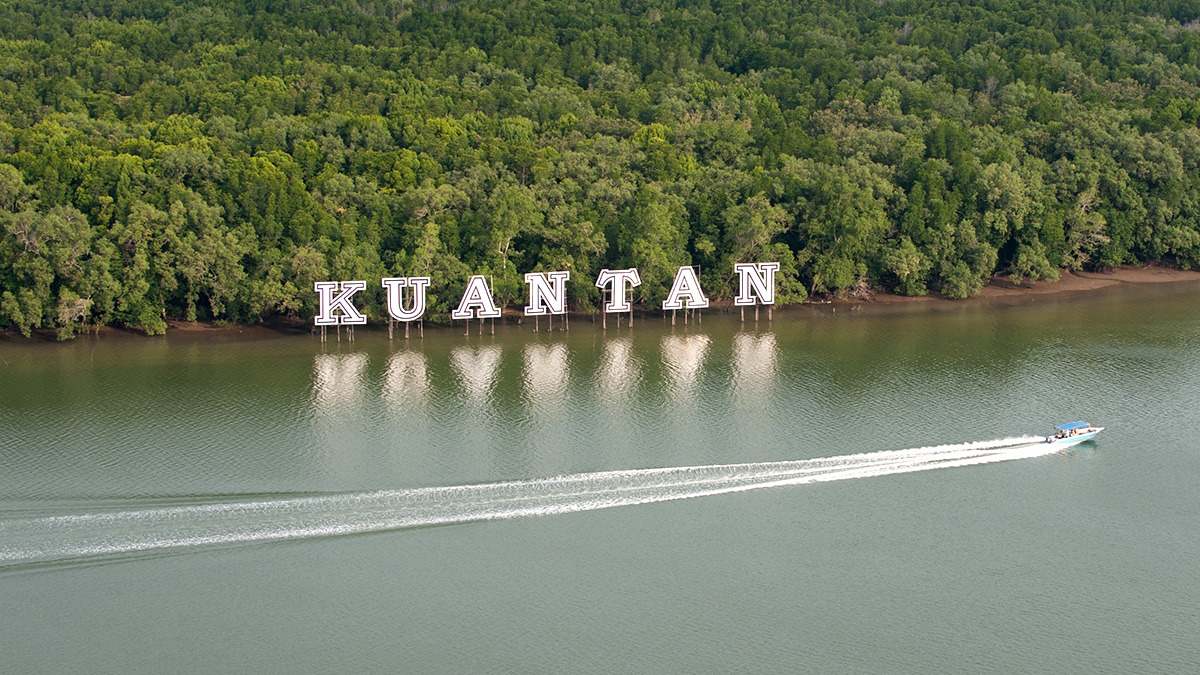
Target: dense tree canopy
{"points": [[211, 159]]}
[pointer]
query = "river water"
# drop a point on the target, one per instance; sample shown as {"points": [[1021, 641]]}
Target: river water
{"points": [[830, 491]]}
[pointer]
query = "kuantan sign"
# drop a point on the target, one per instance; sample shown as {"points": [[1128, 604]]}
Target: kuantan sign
{"points": [[547, 294]]}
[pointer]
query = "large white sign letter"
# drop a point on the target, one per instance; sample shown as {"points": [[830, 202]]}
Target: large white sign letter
{"points": [[395, 297], [330, 303], [622, 281], [547, 288], [477, 301], [755, 279], [686, 287]]}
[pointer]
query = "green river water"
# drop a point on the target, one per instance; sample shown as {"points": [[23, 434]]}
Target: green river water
{"points": [[832, 491]]}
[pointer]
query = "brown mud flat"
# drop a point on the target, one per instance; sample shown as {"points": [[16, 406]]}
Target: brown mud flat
{"points": [[272, 326], [1071, 282], [1003, 288]]}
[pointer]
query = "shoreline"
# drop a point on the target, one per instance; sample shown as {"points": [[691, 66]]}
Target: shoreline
{"points": [[1069, 282], [1000, 288]]}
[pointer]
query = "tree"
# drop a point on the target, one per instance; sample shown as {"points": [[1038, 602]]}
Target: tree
{"points": [[750, 229], [653, 238], [909, 266], [159, 161], [841, 219]]}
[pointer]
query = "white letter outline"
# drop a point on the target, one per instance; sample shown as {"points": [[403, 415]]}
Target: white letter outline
{"points": [[686, 287], [477, 302], [395, 297], [329, 303], [547, 288], [755, 279], [622, 281]]}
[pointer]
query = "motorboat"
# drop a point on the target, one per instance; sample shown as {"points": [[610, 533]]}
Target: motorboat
{"points": [[1073, 433]]}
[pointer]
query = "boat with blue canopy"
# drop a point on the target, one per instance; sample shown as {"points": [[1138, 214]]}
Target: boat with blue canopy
{"points": [[1073, 433]]}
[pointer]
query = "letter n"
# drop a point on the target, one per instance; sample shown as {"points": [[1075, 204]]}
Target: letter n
{"points": [[547, 288], [755, 279]]}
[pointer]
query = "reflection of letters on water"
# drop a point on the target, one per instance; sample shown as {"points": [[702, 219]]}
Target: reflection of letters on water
{"points": [[684, 357], [547, 294], [545, 371], [754, 363], [338, 380], [618, 372], [476, 368], [406, 379]]}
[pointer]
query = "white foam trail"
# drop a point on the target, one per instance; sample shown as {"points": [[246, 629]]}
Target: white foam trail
{"points": [[83, 536]]}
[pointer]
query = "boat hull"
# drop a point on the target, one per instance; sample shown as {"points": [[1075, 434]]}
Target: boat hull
{"points": [[1086, 435]]}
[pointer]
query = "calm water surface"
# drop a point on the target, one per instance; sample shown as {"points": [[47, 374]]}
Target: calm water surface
{"points": [[270, 503]]}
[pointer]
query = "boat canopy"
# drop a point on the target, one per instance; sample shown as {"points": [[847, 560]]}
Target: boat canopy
{"points": [[1072, 425]]}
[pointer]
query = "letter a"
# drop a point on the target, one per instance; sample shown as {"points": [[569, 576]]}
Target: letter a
{"points": [[686, 287], [755, 279], [328, 303], [395, 297], [622, 281], [476, 301], [547, 289]]}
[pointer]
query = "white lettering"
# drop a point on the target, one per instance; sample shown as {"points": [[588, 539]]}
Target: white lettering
{"points": [[755, 279], [547, 288], [547, 294], [395, 297], [477, 302], [686, 287], [621, 281], [329, 303]]}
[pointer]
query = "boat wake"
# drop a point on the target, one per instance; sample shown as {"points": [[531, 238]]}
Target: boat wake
{"points": [[148, 530]]}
